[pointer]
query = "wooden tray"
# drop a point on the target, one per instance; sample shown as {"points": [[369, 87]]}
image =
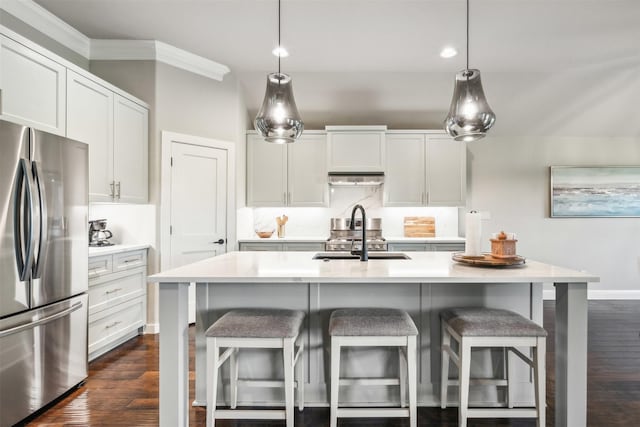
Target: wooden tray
{"points": [[487, 260]]}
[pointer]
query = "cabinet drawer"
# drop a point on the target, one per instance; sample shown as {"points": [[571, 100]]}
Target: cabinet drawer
{"points": [[261, 246], [307, 246], [100, 265], [108, 325], [128, 260], [116, 288], [443, 247], [408, 247]]}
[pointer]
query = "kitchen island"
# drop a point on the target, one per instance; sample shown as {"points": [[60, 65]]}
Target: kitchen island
{"points": [[422, 285]]}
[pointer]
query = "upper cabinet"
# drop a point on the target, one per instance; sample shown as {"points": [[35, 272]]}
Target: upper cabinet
{"points": [[116, 130], [424, 169], [356, 148], [130, 151], [42, 90], [90, 120], [287, 175], [33, 88]]}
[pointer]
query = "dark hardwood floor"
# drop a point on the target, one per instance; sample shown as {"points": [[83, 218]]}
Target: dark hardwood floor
{"points": [[122, 389]]}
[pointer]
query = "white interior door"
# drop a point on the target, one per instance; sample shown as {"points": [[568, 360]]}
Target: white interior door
{"points": [[198, 206]]}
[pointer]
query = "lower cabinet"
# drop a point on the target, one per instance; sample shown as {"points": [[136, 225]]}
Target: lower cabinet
{"points": [[436, 247], [117, 299], [282, 246]]}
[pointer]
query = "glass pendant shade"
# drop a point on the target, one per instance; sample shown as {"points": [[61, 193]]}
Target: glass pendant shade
{"points": [[470, 116], [278, 120]]}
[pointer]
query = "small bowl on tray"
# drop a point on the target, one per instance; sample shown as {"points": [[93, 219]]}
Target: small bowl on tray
{"points": [[265, 234]]}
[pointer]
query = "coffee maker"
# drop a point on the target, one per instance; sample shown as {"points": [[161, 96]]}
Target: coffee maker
{"points": [[98, 233]]}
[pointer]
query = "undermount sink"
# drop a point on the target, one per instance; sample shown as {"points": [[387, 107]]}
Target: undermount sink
{"points": [[327, 256]]}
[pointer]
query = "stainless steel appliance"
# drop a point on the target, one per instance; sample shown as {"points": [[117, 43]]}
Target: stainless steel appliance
{"points": [[342, 238], [98, 233], [43, 269]]}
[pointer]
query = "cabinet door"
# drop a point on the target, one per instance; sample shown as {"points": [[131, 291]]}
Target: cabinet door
{"points": [[446, 171], [266, 173], [307, 171], [404, 183], [356, 151], [130, 151], [33, 88], [90, 120]]}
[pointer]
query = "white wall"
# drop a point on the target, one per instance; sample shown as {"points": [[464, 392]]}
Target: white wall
{"points": [[509, 177]]}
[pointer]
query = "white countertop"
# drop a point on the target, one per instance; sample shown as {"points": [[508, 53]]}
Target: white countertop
{"points": [[274, 239], [291, 267], [110, 250]]}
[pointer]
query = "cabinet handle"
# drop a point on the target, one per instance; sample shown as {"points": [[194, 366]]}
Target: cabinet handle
{"points": [[113, 324], [118, 190], [427, 197], [113, 191], [284, 198], [113, 291], [127, 261], [289, 199]]}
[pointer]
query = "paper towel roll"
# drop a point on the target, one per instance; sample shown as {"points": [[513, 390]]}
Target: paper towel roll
{"points": [[473, 234]]}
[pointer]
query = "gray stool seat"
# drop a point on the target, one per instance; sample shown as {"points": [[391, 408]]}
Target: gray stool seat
{"points": [[257, 323], [371, 322], [481, 321]]}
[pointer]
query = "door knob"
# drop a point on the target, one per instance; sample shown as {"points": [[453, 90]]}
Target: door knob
{"points": [[219, 242]]}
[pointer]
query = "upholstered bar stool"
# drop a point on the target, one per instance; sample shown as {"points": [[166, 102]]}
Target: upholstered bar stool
{"points": [[254, 328], [373, 327], [487, 327]]}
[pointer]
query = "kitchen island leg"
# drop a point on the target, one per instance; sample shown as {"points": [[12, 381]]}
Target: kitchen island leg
{"points": [[571, 354], [174, 354]]}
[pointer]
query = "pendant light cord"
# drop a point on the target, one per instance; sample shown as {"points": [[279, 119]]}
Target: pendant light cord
{"points": [[280, 45], [467, 34]]}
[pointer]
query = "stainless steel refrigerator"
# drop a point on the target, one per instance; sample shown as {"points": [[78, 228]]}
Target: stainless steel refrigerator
{"points": [[43, 269]]}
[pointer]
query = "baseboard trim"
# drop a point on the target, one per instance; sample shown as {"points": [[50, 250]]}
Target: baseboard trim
{"points": [[152, 328], [549, 294]]}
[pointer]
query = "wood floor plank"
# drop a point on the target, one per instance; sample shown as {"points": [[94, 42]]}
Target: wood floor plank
{"points": [[122, 388]]}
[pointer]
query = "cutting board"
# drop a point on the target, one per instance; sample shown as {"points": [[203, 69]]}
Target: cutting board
{"points": [[419, 226]]}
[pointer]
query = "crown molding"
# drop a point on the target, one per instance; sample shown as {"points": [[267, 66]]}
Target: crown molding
{"points": [[47, 23], [53, 27], [128, 50]]}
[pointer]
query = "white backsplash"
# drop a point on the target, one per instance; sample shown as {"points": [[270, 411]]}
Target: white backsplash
{"points": [[314, 222], [129, 223]]}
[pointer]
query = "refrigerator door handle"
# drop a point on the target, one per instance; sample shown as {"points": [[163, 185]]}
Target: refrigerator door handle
{"points": [[23, 212], [44, 227], [42, 321]]}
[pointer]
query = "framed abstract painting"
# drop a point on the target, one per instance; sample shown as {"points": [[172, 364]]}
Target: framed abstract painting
{"points": [[591, 192]]}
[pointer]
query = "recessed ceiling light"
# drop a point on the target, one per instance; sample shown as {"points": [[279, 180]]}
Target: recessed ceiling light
{"points": [[448, 52], [280, 52]]}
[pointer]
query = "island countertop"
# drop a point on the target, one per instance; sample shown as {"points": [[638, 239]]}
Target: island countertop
{"points": [[291, 267]]}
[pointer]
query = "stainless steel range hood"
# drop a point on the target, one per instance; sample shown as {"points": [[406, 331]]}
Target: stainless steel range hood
{"points": [[353, 179]]}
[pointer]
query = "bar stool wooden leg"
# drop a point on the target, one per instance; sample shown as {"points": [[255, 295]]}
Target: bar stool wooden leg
{"points": [[464, 372], [212, 380], [402, 373], [444, 377], [288, 379], [335, 380], [413, 380], [301, 379], [233, 374], [539, 354]]}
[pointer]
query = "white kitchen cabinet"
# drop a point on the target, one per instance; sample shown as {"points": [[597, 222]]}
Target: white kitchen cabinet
{"points": [[90, 120], [117, 299], [424, 169], [33, 88], [282, 246], [130, 151], [356, 148], [418, 247], [116, 130], [287, 175]]}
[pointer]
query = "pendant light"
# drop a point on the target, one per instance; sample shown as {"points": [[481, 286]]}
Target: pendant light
{"points": [[278, 120], [470, 116]]}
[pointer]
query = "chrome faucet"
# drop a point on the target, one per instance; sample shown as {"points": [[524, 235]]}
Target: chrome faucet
{"points": [[364, 256]]}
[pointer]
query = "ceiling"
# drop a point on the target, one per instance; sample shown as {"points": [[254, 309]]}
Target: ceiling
{"points": [[368, 60]]}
